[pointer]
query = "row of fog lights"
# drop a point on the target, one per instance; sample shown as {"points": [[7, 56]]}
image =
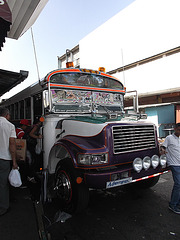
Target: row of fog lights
{"points": [[147, 162]]}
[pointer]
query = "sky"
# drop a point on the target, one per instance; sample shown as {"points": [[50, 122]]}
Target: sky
{"points": [[60, 26]]}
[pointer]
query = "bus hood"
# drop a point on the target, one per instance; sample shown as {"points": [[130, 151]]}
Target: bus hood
{"points": [[83, 126], [87, 126]]}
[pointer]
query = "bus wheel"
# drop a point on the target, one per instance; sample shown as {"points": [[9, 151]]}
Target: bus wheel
{"points": [[73, 197], [147, 183]]}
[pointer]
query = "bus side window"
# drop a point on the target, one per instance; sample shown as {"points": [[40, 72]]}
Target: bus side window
{"points": [[37, 105], [22, 109], [28, 108], [16, 109], [12, 111]]}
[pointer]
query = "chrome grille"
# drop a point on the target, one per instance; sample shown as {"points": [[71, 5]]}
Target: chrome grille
{"points": [[128, 138]]}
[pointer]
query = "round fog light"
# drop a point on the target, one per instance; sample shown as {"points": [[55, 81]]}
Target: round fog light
{"points": [[155, 161], [137, 164], [146, 162], [163, 160]]}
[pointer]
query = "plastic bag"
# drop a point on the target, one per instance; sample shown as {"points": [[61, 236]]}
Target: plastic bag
{"points": [[38, 147], [15, 178]]}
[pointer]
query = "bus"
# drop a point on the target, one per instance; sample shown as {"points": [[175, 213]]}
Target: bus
{"points": [[89, 141]]}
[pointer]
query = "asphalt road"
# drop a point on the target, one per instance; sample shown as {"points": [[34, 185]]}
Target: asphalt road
{"points": [[126, 214]]}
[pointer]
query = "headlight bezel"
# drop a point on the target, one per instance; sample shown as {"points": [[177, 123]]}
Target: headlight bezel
{"points": [[146, 162], [155, 161], [92, 159], [138, 164], [163, 160]]}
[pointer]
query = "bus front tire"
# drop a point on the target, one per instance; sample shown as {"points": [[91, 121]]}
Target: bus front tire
{"points": [[73, 197]]}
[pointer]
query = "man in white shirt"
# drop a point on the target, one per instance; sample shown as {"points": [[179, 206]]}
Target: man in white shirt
{"points": [[7, 153], [171, 147]]}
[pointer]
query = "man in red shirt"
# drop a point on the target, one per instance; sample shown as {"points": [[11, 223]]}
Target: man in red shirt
{"points": [[20, 131]]}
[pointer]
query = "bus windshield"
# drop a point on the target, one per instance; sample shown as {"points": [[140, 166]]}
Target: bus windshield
{"points": [[86, 79], [64, 100]]}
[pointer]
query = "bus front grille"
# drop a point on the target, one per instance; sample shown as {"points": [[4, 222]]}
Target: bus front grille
{"points": [[128, 138]]}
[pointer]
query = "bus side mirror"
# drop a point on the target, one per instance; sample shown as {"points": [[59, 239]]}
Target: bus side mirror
{"points": [[46, 99], [135, 103]]}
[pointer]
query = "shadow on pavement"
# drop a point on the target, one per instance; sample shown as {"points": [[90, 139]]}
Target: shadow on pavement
{"points": [[19, 222]]}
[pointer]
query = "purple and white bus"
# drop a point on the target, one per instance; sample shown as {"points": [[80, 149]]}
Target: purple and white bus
{"points": [[89, 142]]}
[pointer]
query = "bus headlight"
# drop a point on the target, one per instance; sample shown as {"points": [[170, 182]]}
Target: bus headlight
{"points": [[137, 164], [155, 161], [146, 162], [163, 160], [88, 159]]}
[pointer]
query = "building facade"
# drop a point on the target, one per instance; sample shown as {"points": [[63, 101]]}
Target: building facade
{"points": [[140, 46]]}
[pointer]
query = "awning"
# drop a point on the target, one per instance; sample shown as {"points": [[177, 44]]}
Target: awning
{"points": [[8, 80], [21, 13], [5, 21]]}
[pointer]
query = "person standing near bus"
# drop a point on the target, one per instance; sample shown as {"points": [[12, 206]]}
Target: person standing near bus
{"points": [[171, 147], [34, 135], [20, 131], [7, 153]]}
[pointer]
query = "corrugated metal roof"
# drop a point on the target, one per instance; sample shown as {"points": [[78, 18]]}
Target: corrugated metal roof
{"points": [[8, 80], [4, 28], [24, 14], [5, 21]]}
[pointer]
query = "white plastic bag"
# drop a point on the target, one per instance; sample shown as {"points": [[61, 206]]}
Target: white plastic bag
{"points": [[38, 147], [15, 178]]}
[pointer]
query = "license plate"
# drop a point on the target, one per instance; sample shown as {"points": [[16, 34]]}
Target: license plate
{"points": [[119, 182]]}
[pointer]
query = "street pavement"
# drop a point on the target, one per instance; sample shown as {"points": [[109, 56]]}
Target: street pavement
{"points": [[126, 214], [19, 223], [123, 214]]}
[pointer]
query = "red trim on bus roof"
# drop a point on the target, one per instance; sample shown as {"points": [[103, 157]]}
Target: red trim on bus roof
{"points": [[63, 70], [79, 70], [106, 75], [87, 88]]}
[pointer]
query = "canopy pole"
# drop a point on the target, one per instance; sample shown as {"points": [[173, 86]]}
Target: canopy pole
{"points": [[35, 55]]}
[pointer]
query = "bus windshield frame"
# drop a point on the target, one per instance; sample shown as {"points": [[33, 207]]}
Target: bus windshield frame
{"points": [[87, 80], [84, 92]]}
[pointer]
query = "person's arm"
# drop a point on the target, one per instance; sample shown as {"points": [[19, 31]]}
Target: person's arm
{"points": [[12, 149], [162, 150], [32, 133], [164, 146]]}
